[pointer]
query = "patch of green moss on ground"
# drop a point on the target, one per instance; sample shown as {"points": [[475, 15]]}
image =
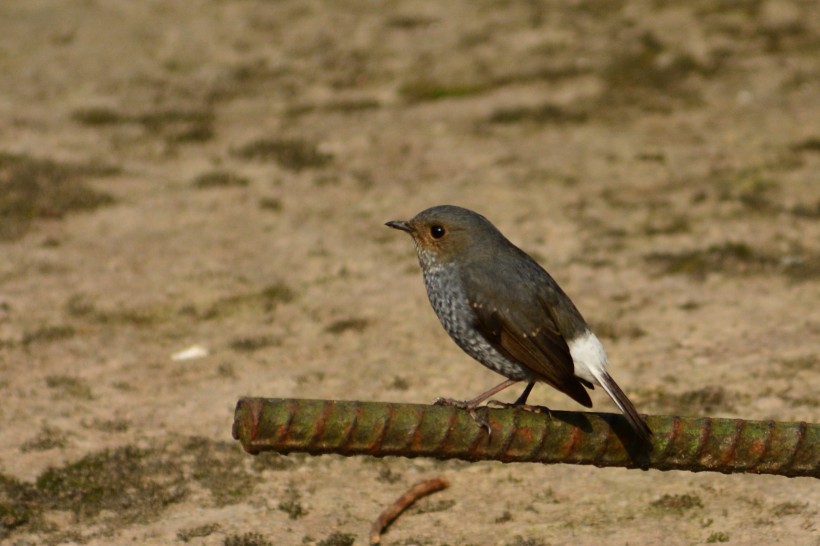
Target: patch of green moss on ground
{"points": [[48, 438], [185, 535], [547, 114], [807, 210], [247, 539], [617, 330], [703, 401], [130, 482], [268, 460], [651, 76], [265, 300], [18, 505], [811, 144], [521, 541], [790, 509], [429, 90], [790, 367], [220, 179], [250, 344], [341, 106], [66, 386], [294, 154], [98, 116], [109, 425], [677, 504], [80, 306], [667, 225], [174, 125], [114, 487], [716, 537], [271, 204], [345, 325], [291, 503], [220, 467], [726, 257], [47, 334], [32, 189], [338, 539], [731, 258], [427, 506], [697, 402]]}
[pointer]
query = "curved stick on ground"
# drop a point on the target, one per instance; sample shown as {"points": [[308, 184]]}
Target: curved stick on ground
{"points": [[421, 489]]}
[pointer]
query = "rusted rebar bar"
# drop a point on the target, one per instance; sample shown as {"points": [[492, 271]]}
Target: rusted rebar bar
{"points": [[600, 439]]}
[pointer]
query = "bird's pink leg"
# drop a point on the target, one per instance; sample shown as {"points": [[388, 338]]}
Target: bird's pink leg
{"points": [[471, 405], [521, 402]]}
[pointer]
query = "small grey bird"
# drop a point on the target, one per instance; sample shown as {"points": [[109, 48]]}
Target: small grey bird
{"points": [[507, 312]]}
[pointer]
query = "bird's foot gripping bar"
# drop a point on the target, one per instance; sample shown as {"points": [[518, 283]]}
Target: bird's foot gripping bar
{"points": [[601, 439]]}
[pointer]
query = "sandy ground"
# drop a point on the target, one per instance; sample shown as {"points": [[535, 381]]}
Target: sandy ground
{"points": [[217, 173]]}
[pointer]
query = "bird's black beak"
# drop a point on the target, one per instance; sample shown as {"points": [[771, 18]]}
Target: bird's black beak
{"points": [[400, 224]]}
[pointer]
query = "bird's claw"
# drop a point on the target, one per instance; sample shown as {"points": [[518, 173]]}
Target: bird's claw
{"points": [[461, 404], [453, 403], [482, 422], [524, 407]]}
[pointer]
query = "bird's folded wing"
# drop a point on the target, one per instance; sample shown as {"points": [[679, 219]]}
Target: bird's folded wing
{"points": [[536, 344]]}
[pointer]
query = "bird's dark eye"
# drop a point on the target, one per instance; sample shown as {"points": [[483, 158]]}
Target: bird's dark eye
{"points": [[437, 232]]}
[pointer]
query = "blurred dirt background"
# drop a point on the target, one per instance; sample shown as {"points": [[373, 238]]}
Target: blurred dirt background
{"points": [[216, 173]]}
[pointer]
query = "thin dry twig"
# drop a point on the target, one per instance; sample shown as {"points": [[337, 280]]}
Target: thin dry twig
{"points": [[413, 494]]}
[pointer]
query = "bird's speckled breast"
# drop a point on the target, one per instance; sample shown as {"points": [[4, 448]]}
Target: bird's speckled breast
{"points": [[453, 307]]}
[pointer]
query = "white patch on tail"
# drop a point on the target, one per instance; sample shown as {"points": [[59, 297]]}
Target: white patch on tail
{"points": [[589, 357], [590, 363]]}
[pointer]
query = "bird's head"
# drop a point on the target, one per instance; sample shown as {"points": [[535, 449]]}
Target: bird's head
{"points": [[446, 233]]}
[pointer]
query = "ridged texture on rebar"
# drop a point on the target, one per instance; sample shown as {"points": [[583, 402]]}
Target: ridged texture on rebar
{"points": [[600, 439]]}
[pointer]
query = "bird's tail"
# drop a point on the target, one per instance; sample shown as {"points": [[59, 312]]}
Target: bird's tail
{"points": [[626, 407]]}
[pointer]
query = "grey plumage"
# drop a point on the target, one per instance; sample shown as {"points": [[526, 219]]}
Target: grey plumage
{"points": [[504, 310]]}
